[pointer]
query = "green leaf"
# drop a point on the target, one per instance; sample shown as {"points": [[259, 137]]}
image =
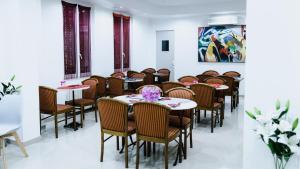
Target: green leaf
{"points": [[277, 105], [287, 105], [251, 115], [13, 78], [295, 124], [257, 111]]}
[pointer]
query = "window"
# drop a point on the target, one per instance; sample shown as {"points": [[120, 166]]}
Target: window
{"points": [[77, 56], [121, 42]]}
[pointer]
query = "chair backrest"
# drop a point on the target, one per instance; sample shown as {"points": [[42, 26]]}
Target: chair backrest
{"points": [[204, 95], [115, 86], [188, 79], [164, 71], [201, 77], [151, 119], [138, 75], [150, 70], [48, 100], [140, 89], [211, 72], [215, 80], [90, 93], [181, 92], [101, 89], [232, 74], [167, 75], [130, 73], [149, 79], [170, 85], [230, 83], [118, 75], [113, 114]]}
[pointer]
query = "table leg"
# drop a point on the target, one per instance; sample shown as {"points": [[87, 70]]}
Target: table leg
{"points": [[71, 125]]}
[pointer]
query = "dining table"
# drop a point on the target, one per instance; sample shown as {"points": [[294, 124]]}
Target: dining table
{"points": [[218, 87], [73, 89], [172, 103]]}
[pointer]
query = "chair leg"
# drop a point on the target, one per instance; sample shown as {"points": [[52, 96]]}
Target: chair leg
{"points": [[212, 122], [145, 148], [137, 153], [166, 155], [118, 144], [2, 150], [126, 152], [55, 123], [96, 119], [205, 113], [154, 147], [191, 137], [222, 116], [102, 146], [231, 104], [81, 115], [74, 120], [66, 118], [40, 124], [185, 144], [19, 143], [198, 116]]}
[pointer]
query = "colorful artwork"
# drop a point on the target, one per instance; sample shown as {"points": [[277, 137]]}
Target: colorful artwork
{"points": [[222, 44]]}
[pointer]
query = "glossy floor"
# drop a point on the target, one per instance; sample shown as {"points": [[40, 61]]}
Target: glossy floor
{"points": [[81, 149]]}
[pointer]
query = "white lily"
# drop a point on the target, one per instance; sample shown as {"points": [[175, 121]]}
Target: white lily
{"points": [[264, 118], [284, 125], [290, 142], [266, 131]]}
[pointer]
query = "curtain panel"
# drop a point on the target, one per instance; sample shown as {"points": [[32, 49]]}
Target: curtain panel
{"points": [[85, 41], [126, 43], [69, 30], [117, 42]]}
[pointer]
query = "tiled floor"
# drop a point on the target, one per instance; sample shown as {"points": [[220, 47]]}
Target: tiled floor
{"points": [[81, 149]]}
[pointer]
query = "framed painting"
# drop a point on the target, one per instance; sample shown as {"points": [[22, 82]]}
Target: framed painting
{"points": [[225, 43]]}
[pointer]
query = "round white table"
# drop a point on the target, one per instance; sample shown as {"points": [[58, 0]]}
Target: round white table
{"points": [[172, 103], [133, 80], [73, 88], [217, 87]]}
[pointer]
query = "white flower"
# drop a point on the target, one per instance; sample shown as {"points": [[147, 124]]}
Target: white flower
{"points": [[290, 142], [284, 125], [266, 131], [264, 118]]}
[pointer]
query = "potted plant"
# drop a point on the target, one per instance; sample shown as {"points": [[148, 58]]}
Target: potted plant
{"points": [[278, 132], [10, 102]]}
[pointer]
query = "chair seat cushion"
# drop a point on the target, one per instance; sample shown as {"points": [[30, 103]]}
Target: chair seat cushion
{"points": [[61, 108], [173, 133], [83, 102], [131, 126], [175, 121]]}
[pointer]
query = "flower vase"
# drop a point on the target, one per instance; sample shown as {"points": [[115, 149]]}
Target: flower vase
{"points": [[281, 161]]}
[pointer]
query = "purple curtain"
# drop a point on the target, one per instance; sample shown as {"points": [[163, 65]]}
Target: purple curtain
{"points": [[85, 41], [69, 18], [117, 42], [126, 42]]}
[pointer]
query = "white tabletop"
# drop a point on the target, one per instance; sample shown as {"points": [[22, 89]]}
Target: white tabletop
{"points": [[85, 87], [222, 87], [133, 80], [238, 79], [7, 128], [184, 104]]}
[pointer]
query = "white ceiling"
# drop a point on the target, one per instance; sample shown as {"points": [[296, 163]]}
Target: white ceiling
{"points": [[171, 8]]}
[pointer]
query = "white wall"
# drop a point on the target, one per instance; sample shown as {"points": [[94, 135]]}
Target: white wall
{"points": [[186, 48], [51, 66], [272, 69], [20, 48]]}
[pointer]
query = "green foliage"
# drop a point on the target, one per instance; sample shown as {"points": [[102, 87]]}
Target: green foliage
{"points": [[295, 124], [8, 88]]}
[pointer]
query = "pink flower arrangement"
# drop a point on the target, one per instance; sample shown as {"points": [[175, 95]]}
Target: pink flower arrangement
{"points": [[151, 94]]}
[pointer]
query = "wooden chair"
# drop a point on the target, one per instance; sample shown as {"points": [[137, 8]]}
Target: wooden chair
{"points": [[89, 98], [211, 72], [188, 115], [115, 86], [130, 73], [114, 122], [134, 86], [189, 79], [166, 76], [140, 89], [152, 125], [118, 75], [150, 70], [101, 88], [215, 80], [235, 74], [170, 85], [205, 101], [230, 82], [202, 77], [49, 106], [149, 78]]}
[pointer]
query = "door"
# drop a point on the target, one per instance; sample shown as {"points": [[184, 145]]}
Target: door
{"points": [[165, 51]]}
